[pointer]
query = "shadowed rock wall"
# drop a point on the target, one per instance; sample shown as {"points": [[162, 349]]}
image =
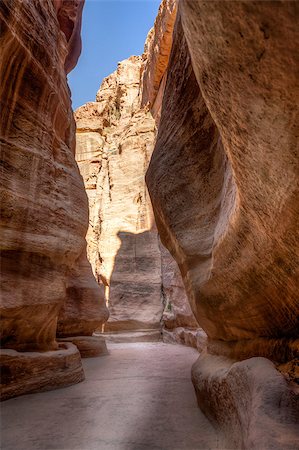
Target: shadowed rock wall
{"points": [[44, 211], [221, 205], [223, 180]]}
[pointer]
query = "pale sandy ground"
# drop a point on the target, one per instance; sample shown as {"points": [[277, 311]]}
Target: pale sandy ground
{"points": [[139, 397]]}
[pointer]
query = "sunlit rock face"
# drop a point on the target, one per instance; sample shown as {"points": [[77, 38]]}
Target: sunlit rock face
{"points": [[156, 55], [179, 323], [44, 214], [115, 139]]}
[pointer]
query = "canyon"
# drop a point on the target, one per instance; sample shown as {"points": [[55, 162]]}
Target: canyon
{"points": [[115, 140], [170, 201]]}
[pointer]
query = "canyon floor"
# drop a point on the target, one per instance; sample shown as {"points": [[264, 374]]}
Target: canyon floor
{"points": [[139, 397]]}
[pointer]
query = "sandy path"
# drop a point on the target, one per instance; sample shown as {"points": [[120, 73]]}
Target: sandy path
{"points": [[139, 397]]}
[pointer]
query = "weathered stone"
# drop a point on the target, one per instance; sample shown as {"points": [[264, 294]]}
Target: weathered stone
{"points": [[156, 54], [69, 15], [217, 225], [251, 400], [44, 211], [29, 372], [115, 138], [177, 311], [88, 346], [192, 337], [226, 213]]}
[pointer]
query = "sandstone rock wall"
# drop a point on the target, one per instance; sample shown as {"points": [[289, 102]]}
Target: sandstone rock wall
{"points": [[156, 55], [221, 205], [44, 210], [223, 180], [115, 139]]}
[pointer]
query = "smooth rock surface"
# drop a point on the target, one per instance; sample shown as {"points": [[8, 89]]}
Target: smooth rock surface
{"points": [[254, 404], [223, 180], [139, 397], [44, 213], [222, 207]]}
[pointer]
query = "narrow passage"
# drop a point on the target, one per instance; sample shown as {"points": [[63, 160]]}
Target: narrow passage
{"points": [[139, 397]]}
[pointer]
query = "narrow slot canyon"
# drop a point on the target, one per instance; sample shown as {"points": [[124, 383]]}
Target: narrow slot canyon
{"points": [[149, 237]]}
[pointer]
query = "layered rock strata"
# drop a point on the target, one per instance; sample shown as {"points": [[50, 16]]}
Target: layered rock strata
{"points": [[29, 372], [115, 139], [44, 212], [224, 210]]}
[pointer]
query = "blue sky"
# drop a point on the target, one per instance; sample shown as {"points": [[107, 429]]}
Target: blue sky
{"points": [[112, 30]]}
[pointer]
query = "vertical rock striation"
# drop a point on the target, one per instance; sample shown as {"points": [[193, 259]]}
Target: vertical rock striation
{"points": [[44, 211]]}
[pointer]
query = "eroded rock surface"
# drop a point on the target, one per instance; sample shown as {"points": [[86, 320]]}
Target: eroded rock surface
{"points": [[221, 205], [156, 55], [226, 213], [30, 372], [44, 211], [115, 139], [251, 400]]}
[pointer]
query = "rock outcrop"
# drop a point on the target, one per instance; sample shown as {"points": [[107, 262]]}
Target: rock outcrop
{"points": [[156, 56], [178, 322], [222, 206], [250, 400], [44, 213], [115, 139], [29, 372]]}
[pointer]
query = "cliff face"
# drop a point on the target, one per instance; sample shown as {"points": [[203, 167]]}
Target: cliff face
{"points": [[44, 206], [115, 138], [224, 210]]}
